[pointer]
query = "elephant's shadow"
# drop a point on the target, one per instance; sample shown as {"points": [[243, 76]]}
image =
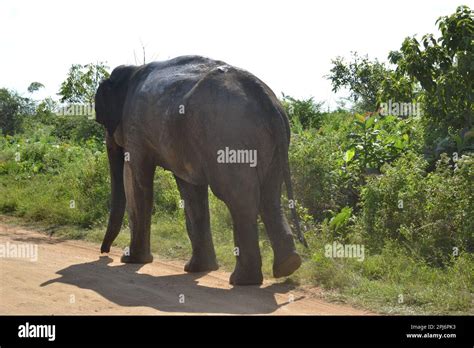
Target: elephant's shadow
{"points": [[124, 286]]}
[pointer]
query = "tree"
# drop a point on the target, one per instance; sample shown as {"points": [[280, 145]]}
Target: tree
{"points": [[35, 86], [82, 82], [444, 69], [13, 108], [362, 77]]}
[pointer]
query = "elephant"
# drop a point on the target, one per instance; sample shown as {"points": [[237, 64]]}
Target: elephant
{"points": [[204, 120]]}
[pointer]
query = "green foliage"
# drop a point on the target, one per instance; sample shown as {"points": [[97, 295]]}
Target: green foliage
{"points": [[443, 68], [68, 128], [464, 142], [341, 218], [375, 140], [378, 281], [427, 214], [77, 128], [397, 87], [339, 222], [314, 156], [45, 112], [303, 113], [166, 194], [35, 86], [13, 109], [363, 78], [41, 176], [82, 82]]}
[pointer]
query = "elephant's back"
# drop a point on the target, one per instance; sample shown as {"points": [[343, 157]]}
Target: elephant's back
{"points": [[175, 77], [211, 87]]}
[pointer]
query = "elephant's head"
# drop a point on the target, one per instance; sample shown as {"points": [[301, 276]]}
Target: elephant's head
{"points": [[110, 97]]}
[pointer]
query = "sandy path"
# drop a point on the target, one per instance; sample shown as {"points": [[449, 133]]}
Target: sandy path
{"points": [[70, 277]]}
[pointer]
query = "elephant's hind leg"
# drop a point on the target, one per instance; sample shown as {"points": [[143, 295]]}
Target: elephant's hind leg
{"points": [[286, 260], [241, 197], [248, 268], [138, 182], [196, 208]]}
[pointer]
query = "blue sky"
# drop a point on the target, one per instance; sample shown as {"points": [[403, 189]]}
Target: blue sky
{"points": [[287, 43]]}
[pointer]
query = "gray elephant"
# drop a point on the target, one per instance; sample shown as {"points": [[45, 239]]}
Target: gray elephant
{"points": [[212, 125]]}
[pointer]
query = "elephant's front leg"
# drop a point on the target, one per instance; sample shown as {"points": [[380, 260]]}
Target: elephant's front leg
{"points": [[196, 208], [138, 182]]}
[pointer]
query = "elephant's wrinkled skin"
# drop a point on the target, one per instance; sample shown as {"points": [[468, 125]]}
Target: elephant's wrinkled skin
{"points": [[178, 114]]}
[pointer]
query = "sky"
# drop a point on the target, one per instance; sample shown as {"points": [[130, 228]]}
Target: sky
{"points": [[288, 44]]}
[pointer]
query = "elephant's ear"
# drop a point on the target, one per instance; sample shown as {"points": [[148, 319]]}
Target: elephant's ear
{"points": [[110, 97]]}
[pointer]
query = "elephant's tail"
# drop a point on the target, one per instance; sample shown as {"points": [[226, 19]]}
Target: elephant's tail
{"points": [[289, 192], [283, 152]]}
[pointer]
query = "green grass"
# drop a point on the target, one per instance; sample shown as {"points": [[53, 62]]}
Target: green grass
{"points": [[393, 282]]}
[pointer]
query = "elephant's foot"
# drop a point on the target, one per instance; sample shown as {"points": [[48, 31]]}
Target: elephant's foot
{"points": [[145, 258], [201, 264], [285, 267], [104, 248], [242, 276]]}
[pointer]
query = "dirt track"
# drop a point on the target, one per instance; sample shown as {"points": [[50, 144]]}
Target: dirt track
{"points": [[70, 277]]}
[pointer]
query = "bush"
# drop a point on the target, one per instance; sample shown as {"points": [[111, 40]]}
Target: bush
{"points": [[313, 160], [303, 113], [375, 140], [428, 214], [41, 176], [77, 129]]}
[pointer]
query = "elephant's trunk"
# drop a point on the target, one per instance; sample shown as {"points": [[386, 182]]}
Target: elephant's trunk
{"points": [[118, 201]]}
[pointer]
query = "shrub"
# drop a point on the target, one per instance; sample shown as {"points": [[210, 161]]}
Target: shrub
{"points": [[428, 214], [313, 162], [303, 113], [41, 176]]}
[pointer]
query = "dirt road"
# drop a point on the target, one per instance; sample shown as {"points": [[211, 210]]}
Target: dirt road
{"points": [[70, 277]]}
